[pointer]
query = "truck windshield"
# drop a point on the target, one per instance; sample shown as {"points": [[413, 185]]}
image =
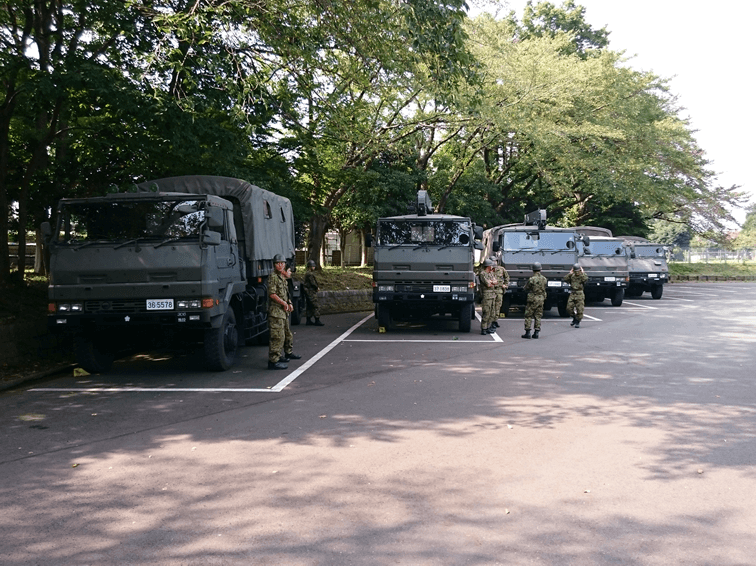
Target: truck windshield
{"points": [[606, 248], [649, 251], [538, 240], [414, 232], [133, 220]]}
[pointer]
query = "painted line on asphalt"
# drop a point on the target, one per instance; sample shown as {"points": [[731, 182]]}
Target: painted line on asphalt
{"points": [[277, 388], [641, 306]]}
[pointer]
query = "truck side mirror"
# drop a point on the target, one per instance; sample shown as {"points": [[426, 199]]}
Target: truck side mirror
{"points": [[496, 246], [478, 245], [478, 232], [47, 232], [214, 217], [210, 238], [368, 240]]}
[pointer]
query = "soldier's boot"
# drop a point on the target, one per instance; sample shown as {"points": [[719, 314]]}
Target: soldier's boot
{"points": [[491, 329], [526, 335], [290, 356], [535, 332], [484, 330], [309, 321], [577, 324], [318, 323], [574, 321], [495, 324], [277, 365]]}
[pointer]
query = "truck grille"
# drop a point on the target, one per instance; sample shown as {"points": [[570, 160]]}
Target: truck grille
{"points": [[115, 306]]}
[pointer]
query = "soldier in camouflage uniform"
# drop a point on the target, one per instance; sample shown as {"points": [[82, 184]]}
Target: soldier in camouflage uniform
{"points": [[279, 307], [577, 279], [311, 295], [536, 288], [502, 282], [488, 288]]}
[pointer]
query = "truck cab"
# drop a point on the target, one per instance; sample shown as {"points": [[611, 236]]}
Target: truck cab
{"points": [[647, 264], [423, 267]]}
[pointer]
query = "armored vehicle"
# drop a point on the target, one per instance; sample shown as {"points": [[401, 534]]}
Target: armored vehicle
{"points": [[518, 246], [605, 261], [647, 263], [182, 257], [423, 266]]}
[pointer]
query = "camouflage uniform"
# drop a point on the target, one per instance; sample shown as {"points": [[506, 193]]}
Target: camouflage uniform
{"points": [[502, 282], [576, 303], [536, 289], [488, 299], [278, 319], [311, 294]]}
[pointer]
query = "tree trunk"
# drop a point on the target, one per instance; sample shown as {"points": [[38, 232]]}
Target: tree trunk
{"points": [[318, 227]]}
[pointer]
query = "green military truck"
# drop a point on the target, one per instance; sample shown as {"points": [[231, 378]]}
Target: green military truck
{"points": [[183, 257], [518, 246], [423, 266], [648, 267], [605, 262]]}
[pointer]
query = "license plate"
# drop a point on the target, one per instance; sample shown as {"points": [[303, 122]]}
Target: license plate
{"points": [[653, 275], [555, 283], [159, 304], [442, 288], [609, 278]]}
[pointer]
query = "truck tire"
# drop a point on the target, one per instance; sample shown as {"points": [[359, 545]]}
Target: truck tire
{"points": [[656, 292], [221, 344], [465, 317], [562, 308], [618, 296], [384, 316], [92, 355], [296, 314]]}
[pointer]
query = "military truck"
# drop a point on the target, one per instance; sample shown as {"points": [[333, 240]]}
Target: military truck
{"points": [[183, 257], [423, 266], [605, 261], [518, 246], [647, 263]]}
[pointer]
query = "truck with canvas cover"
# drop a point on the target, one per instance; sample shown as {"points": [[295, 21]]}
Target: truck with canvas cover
{"points": [[183, 258], [648, 267], [518, 246], [423, 266], [605, 262]]}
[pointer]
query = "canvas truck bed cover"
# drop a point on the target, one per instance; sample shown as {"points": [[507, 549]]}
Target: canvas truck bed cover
{"points": [[268, 217]]}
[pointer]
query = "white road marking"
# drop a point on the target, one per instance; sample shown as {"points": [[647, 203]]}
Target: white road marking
{"points": [[277, 388], [641, 306]]}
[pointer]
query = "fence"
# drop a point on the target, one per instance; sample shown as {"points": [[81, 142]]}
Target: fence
{"points": [[711, 255]]}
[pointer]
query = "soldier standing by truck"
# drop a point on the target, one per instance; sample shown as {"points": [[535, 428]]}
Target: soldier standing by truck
{"points": [[502, 282], [488, 284], [536, 290], [279, 307], [311, 288], [577, 279]]}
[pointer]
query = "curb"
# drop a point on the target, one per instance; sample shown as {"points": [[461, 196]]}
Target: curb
{"points": [[35, 376], [676, 278]]}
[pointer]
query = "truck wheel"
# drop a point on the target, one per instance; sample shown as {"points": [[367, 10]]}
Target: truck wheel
{"points": [[562, 308], [221, 344], [93, 355], [465, 317], [656, 292], [384, 316], [296, 314], [617, 297], [505, 304]]}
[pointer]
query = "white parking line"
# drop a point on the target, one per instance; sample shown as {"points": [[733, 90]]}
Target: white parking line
{"points": [[679, 299], [277, 388], [641, 306]]}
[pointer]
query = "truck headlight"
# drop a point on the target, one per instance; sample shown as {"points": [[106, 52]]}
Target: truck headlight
{"points": [[458, 289], [70, 307], [193, 304], [385, 288]]}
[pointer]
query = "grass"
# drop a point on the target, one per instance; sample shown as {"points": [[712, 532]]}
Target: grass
{"points": [[713, 268], [341, 279]]}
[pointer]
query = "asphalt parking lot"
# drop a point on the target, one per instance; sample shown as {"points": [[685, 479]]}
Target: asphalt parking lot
{"points": [[631, 440]]}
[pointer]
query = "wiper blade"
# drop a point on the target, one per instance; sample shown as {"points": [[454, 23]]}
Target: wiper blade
{"points": [[129, 242], [168, 241]]}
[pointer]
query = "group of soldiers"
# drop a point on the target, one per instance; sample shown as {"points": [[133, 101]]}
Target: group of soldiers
{"points": [[281, 348], [494, 281]]}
